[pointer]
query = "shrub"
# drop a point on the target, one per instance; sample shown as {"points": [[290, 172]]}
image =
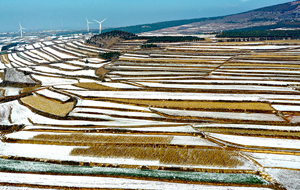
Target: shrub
{"points": [[146, 46], [110, 55]]}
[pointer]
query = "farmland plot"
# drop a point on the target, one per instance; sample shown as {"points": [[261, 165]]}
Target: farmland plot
{"points": [[289, 178], [94, 60], [85, 48], [21, 60], [2, 66], [215, 116], [59, 54], [218, 87], [127, 148], [36, 45], [103, 182], [65, 66], [12, 59], [48, 43], [43, 55], [68, 47], [257, 143], [33, 55], [83, 73], [68, 51], [52, 80], [5, 58], [83, 64], [29, 47], [79, 44], [29, 56]]}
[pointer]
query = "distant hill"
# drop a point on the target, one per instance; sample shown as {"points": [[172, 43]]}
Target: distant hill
{"points": [[159, 25], [285, 15]]}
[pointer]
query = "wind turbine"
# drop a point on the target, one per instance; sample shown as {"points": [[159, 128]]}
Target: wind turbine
{"points": [[99, 24], [87, 24], [21, 29]]}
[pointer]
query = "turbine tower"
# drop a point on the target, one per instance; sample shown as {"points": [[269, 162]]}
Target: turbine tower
{"points": [[100, 24], [21, 30], [87, 24]]}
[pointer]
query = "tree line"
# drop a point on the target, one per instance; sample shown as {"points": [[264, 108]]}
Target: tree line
{"points": [[5, 48], [157, 39], [266, 34], [150, 39]]}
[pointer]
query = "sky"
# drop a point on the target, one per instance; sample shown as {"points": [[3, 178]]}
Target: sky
{"points": [[70, 14]]}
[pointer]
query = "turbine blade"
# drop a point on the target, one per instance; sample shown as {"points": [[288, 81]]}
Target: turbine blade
{"points": [[103, 20], [96, 20], [20, 25], [86, 19]]}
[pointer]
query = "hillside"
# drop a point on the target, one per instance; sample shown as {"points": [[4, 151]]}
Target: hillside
{"points": [[107, 39], [159, 25], [277, 16]]}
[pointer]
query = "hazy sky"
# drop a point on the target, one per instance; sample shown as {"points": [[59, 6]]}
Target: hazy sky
{"points": [[70, 14]]}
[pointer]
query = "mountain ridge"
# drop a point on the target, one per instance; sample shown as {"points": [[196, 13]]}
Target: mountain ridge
{"points": [[268, 17]]}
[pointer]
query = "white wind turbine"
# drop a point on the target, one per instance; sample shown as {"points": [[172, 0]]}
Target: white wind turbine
{"points": [[21, 30], [100, 24], [87, 24]]}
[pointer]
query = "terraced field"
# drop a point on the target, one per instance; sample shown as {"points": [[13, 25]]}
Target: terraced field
{"points": [[185, 115]]}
